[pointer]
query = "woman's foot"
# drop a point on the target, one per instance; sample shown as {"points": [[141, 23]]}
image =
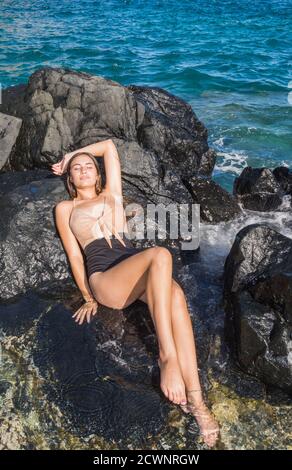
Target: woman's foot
{"points": [[171, 381], [209, 427]]}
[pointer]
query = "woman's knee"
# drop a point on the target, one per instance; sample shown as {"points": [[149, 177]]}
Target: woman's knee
{"points": [[178, 295], [161, 256]]}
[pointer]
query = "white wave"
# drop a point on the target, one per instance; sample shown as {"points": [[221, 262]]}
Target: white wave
{"points": [[216, 240], [219, 141], [231, 162]]}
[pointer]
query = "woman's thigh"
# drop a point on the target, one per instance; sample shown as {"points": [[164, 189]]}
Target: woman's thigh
{"points": [[125, 282]]}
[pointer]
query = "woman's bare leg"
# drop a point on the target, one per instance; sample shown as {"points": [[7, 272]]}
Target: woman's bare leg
{"points": [[186, 350], [183, 336], [149, 271], [121, 285]]}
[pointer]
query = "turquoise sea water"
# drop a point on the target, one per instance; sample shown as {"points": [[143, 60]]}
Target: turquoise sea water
{"points": [[231, 60]]}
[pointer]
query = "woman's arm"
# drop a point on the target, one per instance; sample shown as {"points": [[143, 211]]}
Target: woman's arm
{"points": [[72, 249], [98, 149]]}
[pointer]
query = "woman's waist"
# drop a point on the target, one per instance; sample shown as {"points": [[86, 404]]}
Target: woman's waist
{"points": [[102, 242]]}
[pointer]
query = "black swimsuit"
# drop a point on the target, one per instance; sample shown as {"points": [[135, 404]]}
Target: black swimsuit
{"points": [[101, 253], [99, 257]]}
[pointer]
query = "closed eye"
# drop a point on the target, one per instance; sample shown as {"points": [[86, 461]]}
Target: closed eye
{"points": [[77, 167]]}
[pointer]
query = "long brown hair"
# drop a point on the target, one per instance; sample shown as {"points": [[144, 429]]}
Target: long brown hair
{"points": [[71, 186]]}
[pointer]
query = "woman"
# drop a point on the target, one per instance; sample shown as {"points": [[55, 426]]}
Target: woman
{"points": [[118, 273]]}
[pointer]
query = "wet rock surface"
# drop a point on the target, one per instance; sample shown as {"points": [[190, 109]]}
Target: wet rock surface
{"points": [[262, 189]]}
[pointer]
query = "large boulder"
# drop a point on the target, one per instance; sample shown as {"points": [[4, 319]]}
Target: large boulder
{"points": [[97, 380], [158, 136], [30, 248], [258, 304]]}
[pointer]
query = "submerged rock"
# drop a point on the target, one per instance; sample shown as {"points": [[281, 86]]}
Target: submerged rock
{"points": [[98, 375], [93, 385]]}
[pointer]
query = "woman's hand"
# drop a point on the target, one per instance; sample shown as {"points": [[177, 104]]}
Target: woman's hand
{"points": [[60, 167], [86, 310]]}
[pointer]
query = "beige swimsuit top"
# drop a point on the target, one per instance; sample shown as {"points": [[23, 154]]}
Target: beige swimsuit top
{"points": [[89, 223]]}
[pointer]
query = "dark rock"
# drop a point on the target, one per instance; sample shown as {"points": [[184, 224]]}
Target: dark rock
{"points": [[13, 100], [13, 179], [216, 204], [30, 249], [284, 177], [172, 130], [259, 189], [158, 136], [9, 130], [258, 304], [261, 202], [207, 163], [61, 110]]}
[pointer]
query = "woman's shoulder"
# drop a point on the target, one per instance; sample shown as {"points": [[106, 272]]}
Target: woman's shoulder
{"points": [[64, 205]]}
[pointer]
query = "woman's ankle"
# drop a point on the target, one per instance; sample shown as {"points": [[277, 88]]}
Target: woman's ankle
{"points": [[195, 396]]}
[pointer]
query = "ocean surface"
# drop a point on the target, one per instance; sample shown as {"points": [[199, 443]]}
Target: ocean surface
{"points": [[229, 59]]}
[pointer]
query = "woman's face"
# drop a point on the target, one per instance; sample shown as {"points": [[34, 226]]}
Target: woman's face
{"points": [[83, 172]]}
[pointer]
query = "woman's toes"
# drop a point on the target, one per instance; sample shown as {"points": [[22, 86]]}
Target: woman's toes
{"points": [[176, 399], [185, 409], [182, 396], [165, 393], [170, 396]]}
